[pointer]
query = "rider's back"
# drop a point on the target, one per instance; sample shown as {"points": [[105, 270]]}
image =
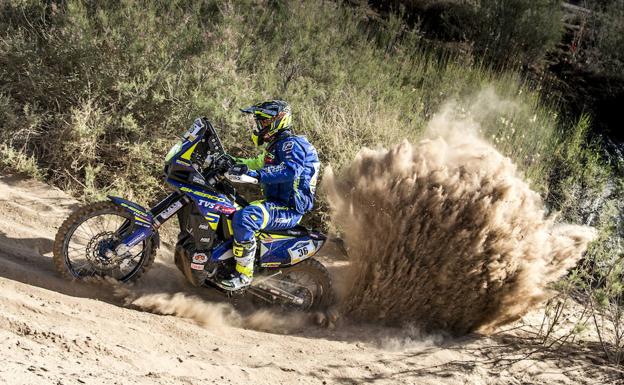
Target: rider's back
{"points": [[293, 157]]}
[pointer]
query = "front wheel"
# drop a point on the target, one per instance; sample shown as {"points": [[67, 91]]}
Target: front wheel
{"points": [[81, 242]]}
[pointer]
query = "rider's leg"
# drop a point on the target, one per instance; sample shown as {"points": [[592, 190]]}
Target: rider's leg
{"points": [[281, 217], [245, 224], [258, 215]]}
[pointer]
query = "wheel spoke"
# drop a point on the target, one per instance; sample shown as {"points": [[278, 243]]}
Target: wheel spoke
{"points": [[86, 229], [87, 238], [94, 234]]}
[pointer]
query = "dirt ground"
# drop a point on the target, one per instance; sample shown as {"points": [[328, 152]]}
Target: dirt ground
{"points": [[53, 331]]}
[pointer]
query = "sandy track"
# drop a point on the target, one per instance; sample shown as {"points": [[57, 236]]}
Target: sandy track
{"points": [[57, 332]]}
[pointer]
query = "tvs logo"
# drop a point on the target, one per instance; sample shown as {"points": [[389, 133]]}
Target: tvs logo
{"points": [[216, 207]]}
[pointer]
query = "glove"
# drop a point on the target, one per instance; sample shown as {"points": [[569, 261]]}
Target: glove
{"points": [[239, 170]]}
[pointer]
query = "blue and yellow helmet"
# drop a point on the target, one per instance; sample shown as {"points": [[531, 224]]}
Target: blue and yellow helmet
{"points": [[271, 117]]}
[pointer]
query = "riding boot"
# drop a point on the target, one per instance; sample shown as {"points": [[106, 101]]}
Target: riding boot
{"points": [[244, 253]]}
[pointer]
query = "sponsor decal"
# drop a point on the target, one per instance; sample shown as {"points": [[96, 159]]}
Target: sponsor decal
{"points": [[200, 258], [281, 220], [196, 266], [213, 205], [205, 240], [169, 211], [202, 194], [204, 227], [270, 264], [135, 210], [275, 169], [198, 180], [142, 221], [207, 204], [212, 218], [135, 239], [288, 146], [269, 158], [192, 133]]}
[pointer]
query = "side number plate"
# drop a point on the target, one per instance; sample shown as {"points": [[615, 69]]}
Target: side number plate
{"points": [[301, 250]]}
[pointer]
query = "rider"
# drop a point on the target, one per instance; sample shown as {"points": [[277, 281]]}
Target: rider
{"points": [[287, 169]]}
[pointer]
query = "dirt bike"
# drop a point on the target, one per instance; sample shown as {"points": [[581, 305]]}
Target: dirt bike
{"points": [[118, 238]]}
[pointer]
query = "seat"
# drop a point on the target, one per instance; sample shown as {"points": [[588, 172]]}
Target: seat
{"points": [[296, 231]]}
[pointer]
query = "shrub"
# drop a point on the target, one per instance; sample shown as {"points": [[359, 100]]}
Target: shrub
{"points": [[503, 32], [507, 31], [605, 41], [99, 90], [94, 93]]}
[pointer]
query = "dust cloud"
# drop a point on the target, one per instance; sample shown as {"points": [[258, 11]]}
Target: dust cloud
{"points": [[209, 314], [410, 338], [445, 234], [206, 314]]}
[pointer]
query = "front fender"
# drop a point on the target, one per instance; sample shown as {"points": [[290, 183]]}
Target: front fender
{"points": [[131, 207], [142, 218]]}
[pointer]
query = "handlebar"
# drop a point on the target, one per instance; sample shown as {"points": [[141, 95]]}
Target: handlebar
{"points": [[218, 179], [221, 163]]}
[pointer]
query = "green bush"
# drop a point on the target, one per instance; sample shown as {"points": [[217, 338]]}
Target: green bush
{"points": [[516, 30], [94, 93], [501, 32], [100, 90], [605, 40]]}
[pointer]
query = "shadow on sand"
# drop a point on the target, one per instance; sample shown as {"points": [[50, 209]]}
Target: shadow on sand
{"points": [[29, 260]]}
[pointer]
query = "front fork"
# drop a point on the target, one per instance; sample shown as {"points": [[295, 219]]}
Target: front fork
{"points": [[146, 222]]}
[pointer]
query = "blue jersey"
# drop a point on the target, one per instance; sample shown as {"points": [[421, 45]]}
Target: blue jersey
{"points": [[290, 171]]}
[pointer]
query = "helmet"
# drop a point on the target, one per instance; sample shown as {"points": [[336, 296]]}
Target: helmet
{"points": [[272, 117]]}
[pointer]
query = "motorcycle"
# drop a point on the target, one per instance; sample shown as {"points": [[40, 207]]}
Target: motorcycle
{"points": [[119, 238]]}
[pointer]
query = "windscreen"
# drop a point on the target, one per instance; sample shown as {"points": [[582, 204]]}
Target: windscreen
{"points": [[188, 136]]}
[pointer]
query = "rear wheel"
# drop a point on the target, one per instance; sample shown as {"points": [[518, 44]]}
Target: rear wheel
{"points": [[81, 242], [305, 286]]}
